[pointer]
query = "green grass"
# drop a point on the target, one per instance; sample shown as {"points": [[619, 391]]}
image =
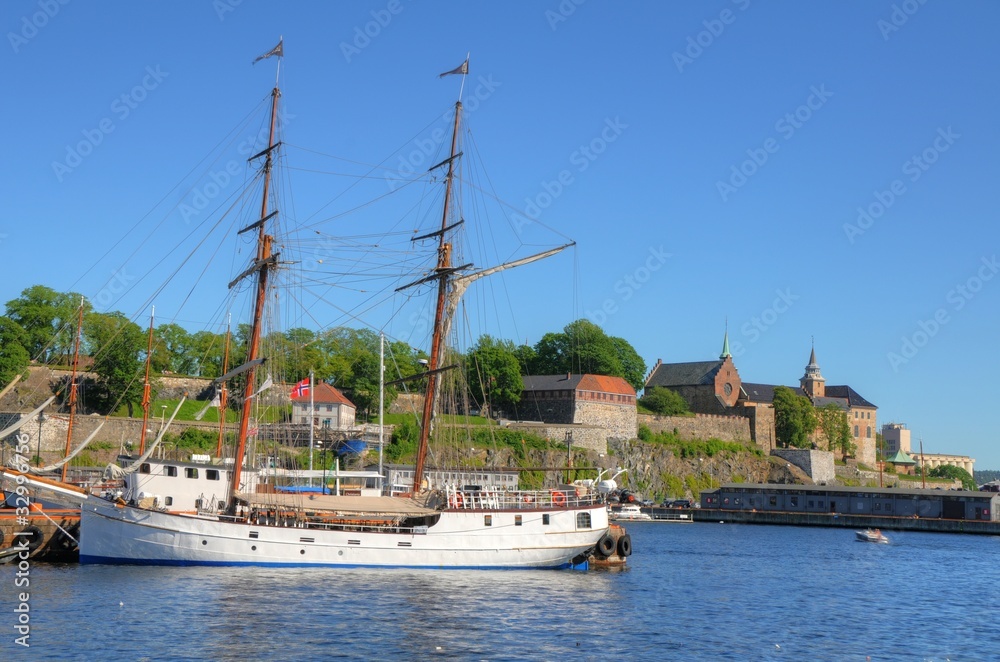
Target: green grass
{"points": [[190, 409], [445, 419]]}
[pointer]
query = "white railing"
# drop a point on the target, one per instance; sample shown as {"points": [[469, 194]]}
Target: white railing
{"points": [[519, 500]]}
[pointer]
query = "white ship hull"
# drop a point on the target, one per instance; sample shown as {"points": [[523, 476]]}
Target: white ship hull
{"points": [[459, 539]]}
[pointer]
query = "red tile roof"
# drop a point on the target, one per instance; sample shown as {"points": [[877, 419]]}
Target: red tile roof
{"points": [[325, 394], [605, 384]]}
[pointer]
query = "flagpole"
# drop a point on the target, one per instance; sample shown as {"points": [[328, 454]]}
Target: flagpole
{"points": [[312, 412], [277, 71], [462, 88]]}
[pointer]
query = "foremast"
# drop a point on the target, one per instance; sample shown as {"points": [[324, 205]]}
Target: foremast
{"points": [[72, 392], [263, 264], [441, 272]]}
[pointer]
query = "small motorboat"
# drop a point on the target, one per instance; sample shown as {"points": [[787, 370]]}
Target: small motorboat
{"points": [[871, 535]]}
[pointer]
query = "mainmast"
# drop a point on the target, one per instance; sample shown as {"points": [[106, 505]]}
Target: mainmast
{"points": [[441, 272], [263, 264], [72, 390], [145, 385]]}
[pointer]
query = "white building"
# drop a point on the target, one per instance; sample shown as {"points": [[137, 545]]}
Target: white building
{"points": [[331, 409]]}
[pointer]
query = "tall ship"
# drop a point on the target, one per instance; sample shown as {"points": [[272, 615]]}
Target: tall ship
{"points": [[433, 525]]}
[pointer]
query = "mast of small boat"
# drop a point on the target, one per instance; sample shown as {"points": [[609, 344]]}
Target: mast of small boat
{"points": [[442, 271], [223, 390], [263, 264], [72, 390], [145, 384], [381, 396]]}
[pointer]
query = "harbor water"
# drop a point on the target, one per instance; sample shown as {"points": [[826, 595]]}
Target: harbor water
{"points": [[691, 592]]}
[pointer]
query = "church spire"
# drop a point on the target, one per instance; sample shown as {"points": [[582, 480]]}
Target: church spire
{"points": [[725, 345], [813, 383]]}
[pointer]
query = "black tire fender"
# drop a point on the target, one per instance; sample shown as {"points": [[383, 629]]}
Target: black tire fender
{"points": [[625, 545], [606, 545]]}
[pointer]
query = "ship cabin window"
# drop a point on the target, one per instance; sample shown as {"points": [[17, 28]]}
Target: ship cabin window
{"points": [[795, 501], [168, 501], [772, 500], [191, 472], [583, 521], [517, 520], [169, 471], [545, 519], [144, 468], [488, 520], [212, 474]]}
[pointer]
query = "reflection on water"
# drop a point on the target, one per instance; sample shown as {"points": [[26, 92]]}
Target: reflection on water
{"points": [[694, 592]]}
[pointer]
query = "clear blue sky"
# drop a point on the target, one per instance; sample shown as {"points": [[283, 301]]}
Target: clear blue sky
{"points": [[826, 107]]}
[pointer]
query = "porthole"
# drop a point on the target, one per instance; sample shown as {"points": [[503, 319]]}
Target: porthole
{"points": [[302, 551], [253, 548], [204, 542]]}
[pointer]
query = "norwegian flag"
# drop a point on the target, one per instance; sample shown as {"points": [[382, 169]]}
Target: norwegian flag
{"points": [[301, 389]]}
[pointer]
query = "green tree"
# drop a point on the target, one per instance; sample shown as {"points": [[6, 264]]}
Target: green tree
{"points": [[583, 347], [14, 358], [116, 345], [833, 422], [173, 351], [664, 401], [526, 359], [49, 320], [794, 419], [494, 375], [955, 473]]}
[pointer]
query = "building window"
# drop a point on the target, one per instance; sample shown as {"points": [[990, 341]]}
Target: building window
{"points": [[191, 472], [326, 422], [868, 432], [212, 474], [329, 407], [855, 430], [169, 471], [855, 414]]}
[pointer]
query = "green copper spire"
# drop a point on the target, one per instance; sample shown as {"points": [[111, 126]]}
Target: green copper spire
{"points": [[725, 347]]}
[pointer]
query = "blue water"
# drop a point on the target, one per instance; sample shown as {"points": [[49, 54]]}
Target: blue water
{"points": [[691, 592]]}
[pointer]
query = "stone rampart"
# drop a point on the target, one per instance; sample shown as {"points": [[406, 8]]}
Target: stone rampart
{"points": [[700, 426], [818, 465], [618, 421], [584, 436]]}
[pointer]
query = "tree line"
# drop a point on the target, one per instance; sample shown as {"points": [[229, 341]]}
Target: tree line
{"points": [[41, 326]]}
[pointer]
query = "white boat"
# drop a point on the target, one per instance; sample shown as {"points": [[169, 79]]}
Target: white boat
{"points": [[630, 513], [440, 526], [871, 535]]}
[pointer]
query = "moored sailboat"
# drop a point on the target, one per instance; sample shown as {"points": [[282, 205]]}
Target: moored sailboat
{"points": [[443, 526]]}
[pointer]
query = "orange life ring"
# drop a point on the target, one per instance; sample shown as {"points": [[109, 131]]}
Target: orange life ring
{"points": [[459, 500], [558, 498]]}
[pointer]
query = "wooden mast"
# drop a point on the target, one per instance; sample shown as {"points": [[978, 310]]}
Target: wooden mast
{"points": [[442, 270], [145, 385], [224, 392], [264, 262], [72, 389]]}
